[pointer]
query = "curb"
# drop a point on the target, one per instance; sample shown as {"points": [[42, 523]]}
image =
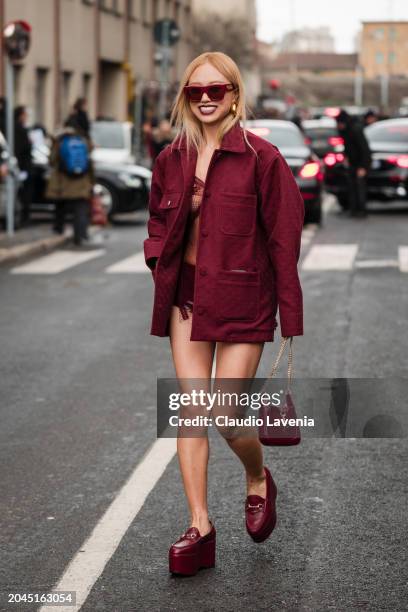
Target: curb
{"points": [[38, 246]]}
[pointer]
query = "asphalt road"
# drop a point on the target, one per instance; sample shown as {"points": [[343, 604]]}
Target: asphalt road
{"points": [[78, 379]]}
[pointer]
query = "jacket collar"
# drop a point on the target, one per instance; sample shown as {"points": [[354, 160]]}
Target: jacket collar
{"points": [[233, 140]]}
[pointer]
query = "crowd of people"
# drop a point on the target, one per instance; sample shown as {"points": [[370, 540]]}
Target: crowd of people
{"points": [[71, 179], [72, 191]]}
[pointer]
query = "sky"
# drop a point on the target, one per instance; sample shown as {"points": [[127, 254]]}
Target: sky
{"points": [[342, 16]]}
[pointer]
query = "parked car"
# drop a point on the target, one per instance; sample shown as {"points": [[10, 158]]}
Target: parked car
{"points": [[322, 136], [388, 177], [305, 165], [113, 142], [123, 185]]}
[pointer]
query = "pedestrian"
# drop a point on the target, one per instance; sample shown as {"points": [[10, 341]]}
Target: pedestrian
{"points": [[3, 111], [71, 180], [147, 133], [23, 153], [161, 136], [357, 162], [370, 117], [79, 117], [224, 236]]}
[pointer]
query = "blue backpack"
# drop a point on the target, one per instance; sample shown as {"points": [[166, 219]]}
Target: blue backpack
{"points": [[74, 155]]}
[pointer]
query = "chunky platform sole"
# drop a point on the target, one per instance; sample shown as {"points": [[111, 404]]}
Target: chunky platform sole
{"points": [[265, 532], [189, 564]]}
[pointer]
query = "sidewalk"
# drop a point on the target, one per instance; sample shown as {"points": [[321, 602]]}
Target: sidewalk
{"points": [[34, 239]]}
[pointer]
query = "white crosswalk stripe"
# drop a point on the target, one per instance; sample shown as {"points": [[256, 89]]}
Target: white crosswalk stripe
{"points": [[376, 263], [403, 258], [57, 262], [321, 257], [330, 257], [133, 264]]}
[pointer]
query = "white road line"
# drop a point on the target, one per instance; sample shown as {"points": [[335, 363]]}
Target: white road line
{"points": [[57, 262], [92, 557], [134, 263], [403, 258], [330, 257], [329, 203], [376, 263]]}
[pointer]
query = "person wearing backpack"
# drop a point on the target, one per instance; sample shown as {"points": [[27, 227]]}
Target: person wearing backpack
{"points": [[71, 180]]}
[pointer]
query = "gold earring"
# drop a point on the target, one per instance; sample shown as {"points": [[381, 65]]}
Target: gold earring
{"points": [[234, 109]]}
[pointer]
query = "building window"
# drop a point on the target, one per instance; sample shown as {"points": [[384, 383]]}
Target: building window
{"points": [[40, 95], [379, 57], [143, 11], [392, 57], [66, 92], [393, 33], [111, 6], [86, 85], [379, 33]]}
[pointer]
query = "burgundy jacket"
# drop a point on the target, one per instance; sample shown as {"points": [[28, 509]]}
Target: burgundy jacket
{"points": [[251, 222]]}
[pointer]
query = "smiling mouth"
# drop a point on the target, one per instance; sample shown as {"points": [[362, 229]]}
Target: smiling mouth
{"points": [[207, 109]]}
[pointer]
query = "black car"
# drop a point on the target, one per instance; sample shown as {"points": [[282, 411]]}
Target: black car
{"points": [[388, 177], [305, 165], [322, 136]]}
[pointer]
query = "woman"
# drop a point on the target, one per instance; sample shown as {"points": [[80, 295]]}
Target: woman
{"points": [[225, 226]]}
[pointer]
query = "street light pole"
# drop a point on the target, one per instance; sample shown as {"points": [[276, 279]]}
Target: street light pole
{"points": [[164, 73], [10, 186]]}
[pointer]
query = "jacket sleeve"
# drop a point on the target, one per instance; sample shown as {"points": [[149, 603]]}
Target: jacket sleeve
{"points": [[156, 225], [282, 213]]}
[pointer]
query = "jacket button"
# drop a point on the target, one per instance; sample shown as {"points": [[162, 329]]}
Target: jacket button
{"points": [[204, 232], [203, 271], [168, 203], [200, 310]]}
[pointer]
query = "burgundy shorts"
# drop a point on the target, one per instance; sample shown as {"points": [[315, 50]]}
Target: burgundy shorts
{"points": [[185, 289]]}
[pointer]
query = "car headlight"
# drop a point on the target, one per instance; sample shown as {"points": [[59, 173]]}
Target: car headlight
{"points": [[131, 181]]}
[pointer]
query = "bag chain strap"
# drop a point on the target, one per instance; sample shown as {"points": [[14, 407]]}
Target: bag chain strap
{"points": [[282, 347]]}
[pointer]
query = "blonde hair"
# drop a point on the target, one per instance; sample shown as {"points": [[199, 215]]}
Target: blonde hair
{"points": [[182, 118]]}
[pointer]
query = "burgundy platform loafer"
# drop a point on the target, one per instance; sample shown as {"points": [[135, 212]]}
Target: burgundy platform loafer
{"points": [[192, 551], [260, 513]]}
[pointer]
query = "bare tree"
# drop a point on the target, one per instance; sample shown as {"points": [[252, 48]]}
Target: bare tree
{"points": [[231, 36]]}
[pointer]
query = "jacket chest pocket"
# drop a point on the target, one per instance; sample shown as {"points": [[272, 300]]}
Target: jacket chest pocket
{"points": [[169, 205], [237, 295], [237, 214]]}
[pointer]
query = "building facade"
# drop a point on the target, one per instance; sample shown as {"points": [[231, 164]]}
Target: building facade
{"points": [[99, 49], [308, 40], [384, 48]]}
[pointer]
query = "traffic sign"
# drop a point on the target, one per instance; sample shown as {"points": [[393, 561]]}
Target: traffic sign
{"points": [[166, 32], [17, 39]]}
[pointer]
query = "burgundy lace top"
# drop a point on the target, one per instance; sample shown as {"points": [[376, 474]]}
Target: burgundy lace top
{"points": [[193, 222]]}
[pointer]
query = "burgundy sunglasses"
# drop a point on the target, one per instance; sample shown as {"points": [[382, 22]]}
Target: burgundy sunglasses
{"points": [[215, 92]]}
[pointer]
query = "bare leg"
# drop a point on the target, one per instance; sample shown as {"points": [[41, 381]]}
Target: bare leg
{"points": [[192, 360], [241, 360]]}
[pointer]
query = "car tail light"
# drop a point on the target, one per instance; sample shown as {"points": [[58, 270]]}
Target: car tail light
{"points": [[332, 111], [335, 141], [331, 159], [399, 160], [310, 170], [308, 141]]}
